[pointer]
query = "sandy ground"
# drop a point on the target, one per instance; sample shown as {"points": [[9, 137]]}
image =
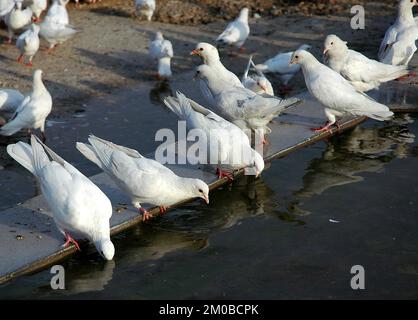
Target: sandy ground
{"points": [[111, 50]]}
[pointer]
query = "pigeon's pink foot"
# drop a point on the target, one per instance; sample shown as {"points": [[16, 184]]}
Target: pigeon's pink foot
{"points": [[29, 64], [222, 174], [326, 127], [69, 240], [242, 49], [145, 214], [163, 209], [20, 58]]}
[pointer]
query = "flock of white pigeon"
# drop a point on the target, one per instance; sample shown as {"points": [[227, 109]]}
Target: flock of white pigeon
{"points": [[81, 210]]}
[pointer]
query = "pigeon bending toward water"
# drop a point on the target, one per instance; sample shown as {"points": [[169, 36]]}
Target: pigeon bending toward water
{"points": [[236, 32], [143, 179], [17, 19], [210, 57], [280, 64], [79, 207], [363, 73], [256, 83], [335, 93], [404, 20], [28, 44], [162, 50], [240, 105], [145, 8], [38, 6], [55, 28], [233, 149], [10, 100], [32, 112]]}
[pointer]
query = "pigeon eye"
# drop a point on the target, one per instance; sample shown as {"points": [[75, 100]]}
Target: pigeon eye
{"points": [[201, 49], [200, 190], [332, 43], [297, 57]]}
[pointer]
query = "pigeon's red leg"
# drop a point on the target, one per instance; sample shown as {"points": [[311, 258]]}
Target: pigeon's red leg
{"points": [[322, 129], [145, 214], [163, 209], [20, 58], [222, 174], [29, 64], [242, 49], [69, 240]]}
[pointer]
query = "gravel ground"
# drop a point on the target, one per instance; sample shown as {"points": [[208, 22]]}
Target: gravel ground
{"points": [[111, 50]]}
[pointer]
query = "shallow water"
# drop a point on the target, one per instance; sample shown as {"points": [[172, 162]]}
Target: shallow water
{"points": [[294, 233]]}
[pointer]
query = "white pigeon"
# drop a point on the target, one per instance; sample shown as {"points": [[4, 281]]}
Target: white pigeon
{"points": [[257, 83], [236, 32], [404, 20], [162, 50], [55, 28], [38, 6], [17, 19], [79, 207], [5, 7], [10, 100], [240, 105], [280, 64], [210, 57], [143, 179], [233, 149], [28, 44], [402, 50], [32, 112], [363, 73], [145, 8], [335, 93]]}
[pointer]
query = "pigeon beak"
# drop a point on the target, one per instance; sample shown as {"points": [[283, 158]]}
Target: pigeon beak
{"points": [[264, 88], [325, 51], [257, 174], [292, 61], [194, 53], [206, 198]]}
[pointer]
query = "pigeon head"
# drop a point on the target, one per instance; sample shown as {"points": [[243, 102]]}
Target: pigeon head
{"points": [[37, 75], [106, 248], [333, 45], [200, 190], [207, 52], [262, 82], [407, 4], [301, 57], [18, 4], [243, 15], [159, 36]]}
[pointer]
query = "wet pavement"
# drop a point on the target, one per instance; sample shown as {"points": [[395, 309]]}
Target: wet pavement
{"points": [[294, 233]]}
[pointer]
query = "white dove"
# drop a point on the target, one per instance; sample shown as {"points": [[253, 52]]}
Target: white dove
{"points": [[79, 207], [240, 105], [55, 28], [17, 19], [210, 57], [233, 149], [236, 32], [5, 7], [404, 20], [257, 83], [10, 100], [32, 112], [145, 8], [28, 44], [38, 6], [143, 179], [363, 73], [280, 64], [335, 93], [400, 52], [162, 50]]}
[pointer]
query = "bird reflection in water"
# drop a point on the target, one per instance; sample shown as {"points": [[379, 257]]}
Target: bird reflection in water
{"points": [[364, 149]]}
